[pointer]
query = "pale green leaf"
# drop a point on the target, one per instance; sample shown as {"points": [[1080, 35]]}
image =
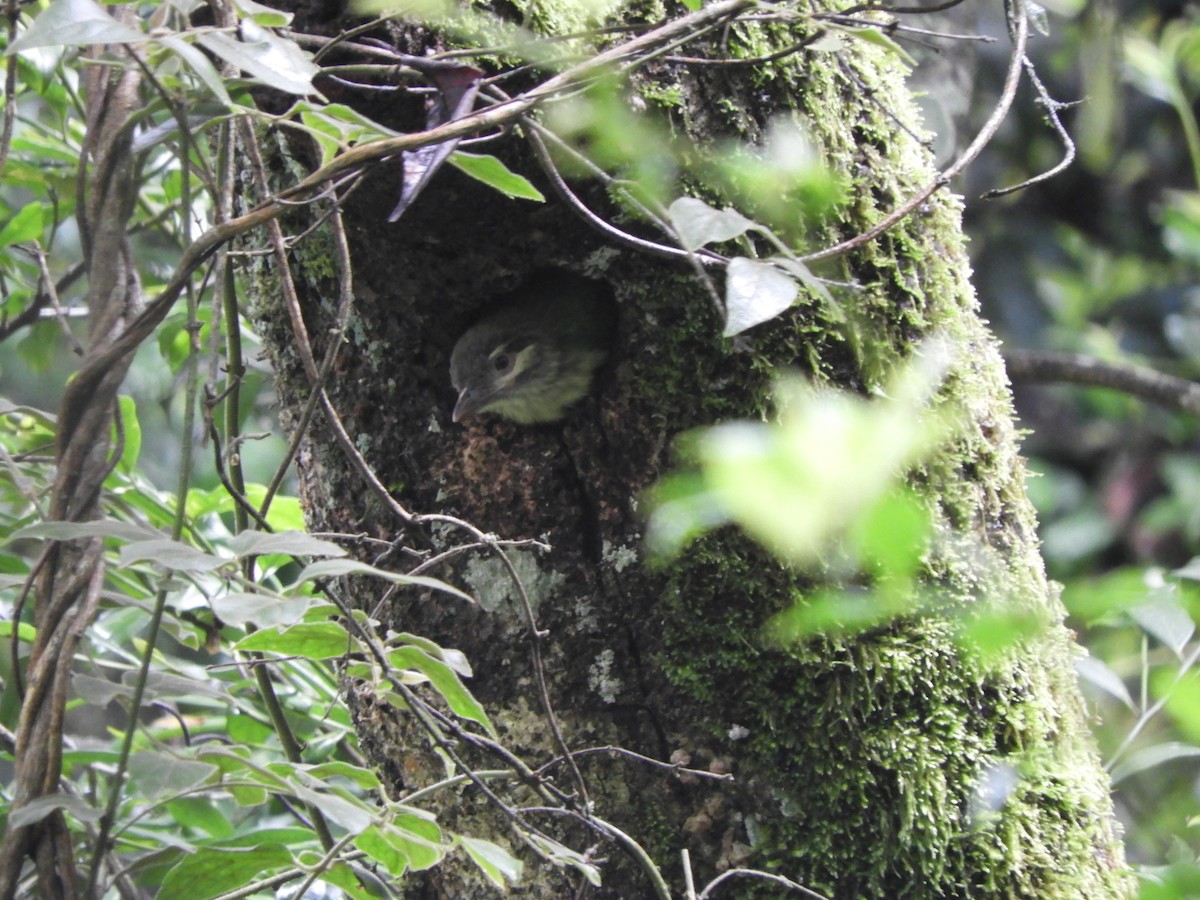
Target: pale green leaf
{"points": [[26, 225], [272, 60], [496, 174], [311, 640], [698, 224], [755, 292], [500, 866], [74, 23]]}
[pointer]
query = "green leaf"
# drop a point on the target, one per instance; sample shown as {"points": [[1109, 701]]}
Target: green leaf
{"points": [[211, 871], [337, 567], [879, 39], [382, 851], [366, 779], [74, 23], [496, 174], [263, 15], [309, 640], [132, 433], [755, 292], [202, 814], [264, 610], [446, 681], [40, 807], [455, 659], [562, 855], [170, 554], [272, 60], [1096, 672], [106, 528], [26, 225], [698, 224], [159, 774], [1149, 757], [25, 632], [294, 543], [500, 866], [1162, 617], [200, 64], [336, 127]]}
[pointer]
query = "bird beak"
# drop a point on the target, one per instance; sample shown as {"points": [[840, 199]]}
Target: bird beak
{"points": [[469, 402]]}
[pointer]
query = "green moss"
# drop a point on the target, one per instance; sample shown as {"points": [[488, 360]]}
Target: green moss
{"points": [[917, 719]]}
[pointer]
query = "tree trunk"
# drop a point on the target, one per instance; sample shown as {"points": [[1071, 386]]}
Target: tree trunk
{"points": [[856, 761]]}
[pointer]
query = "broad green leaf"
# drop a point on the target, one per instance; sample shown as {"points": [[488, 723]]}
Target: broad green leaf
{"points": [[309, 640], [495, 174], [455, 659], [263, 15], [211, 871], [74, 23], [1162, 617], [755, 292], [264, 610], [26, 225], [295, 543], [203, 814], [879, 39], [170, 554], [336, 127], [131, 433], [1149, 757], [98, 691], [69, 531], [25, 632], [349, 812], [37, 809], [1096, 672], [272, 60], [159, 774], [562, 855], [382, 851], [698, 224], [366, 779], [329, 568], [445, 680], [200, 64], [500, 866]]}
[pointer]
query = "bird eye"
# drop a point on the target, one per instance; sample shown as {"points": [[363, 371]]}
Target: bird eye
{"points": [[502, 362]]}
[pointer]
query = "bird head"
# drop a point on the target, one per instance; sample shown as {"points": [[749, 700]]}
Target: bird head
{"points": [[535, 355]]}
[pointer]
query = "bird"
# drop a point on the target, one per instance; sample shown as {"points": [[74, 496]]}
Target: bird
{"points": [[537, 353]]}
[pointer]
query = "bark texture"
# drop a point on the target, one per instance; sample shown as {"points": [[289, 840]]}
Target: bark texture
{"points": [[856, 760]]}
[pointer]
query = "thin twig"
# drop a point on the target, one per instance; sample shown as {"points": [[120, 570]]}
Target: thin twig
{"points": [[1020, 35], [765, 876], [648, 760], [1053, 108], [12, 12]]}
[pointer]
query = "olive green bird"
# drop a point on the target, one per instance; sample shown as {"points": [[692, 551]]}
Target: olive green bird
{"points": [[537, 354]]}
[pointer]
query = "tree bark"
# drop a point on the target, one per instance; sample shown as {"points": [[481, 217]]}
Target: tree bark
{"points": [[856, 761]]}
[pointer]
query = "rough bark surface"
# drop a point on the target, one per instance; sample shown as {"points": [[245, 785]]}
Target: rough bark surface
{"points": [[855, 760]]}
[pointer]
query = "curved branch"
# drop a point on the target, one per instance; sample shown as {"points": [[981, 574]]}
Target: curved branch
{"points": [[1042, 366]]}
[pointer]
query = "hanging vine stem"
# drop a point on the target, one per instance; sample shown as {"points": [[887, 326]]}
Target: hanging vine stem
{"points": [[433, 722], [1019, 27]]}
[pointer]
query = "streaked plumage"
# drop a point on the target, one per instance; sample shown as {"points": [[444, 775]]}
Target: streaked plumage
{"points": [[537, 354]]}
